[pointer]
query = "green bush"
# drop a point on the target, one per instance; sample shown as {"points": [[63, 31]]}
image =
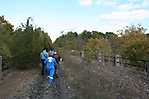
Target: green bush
{"points": [[21, 47], [134, 45]]}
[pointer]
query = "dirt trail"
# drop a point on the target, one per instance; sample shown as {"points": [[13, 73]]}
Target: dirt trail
{"points": [[94, 81], [13, 83], [39, 89], [81, 80]]}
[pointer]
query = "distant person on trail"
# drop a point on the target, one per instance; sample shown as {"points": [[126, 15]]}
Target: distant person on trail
{"points": [[51, 62], [43, 56], [57, 67], [52, 50]]}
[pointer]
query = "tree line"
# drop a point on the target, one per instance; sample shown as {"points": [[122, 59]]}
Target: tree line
{"points": [[130, 42], [21, 47]]}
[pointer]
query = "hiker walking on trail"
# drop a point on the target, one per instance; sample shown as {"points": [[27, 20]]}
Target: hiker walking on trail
{"points": [[43, 56], [57, 67], [51, 62]]}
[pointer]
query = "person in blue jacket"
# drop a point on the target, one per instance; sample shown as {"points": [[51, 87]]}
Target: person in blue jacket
{"points": [[43, 56], [51, 62]]}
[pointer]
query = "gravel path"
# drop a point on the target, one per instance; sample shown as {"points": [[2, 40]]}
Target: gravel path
{"points": [[94, 81], [39, 89], [81, 80]]}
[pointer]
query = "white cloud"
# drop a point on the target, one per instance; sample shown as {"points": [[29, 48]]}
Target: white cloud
{"points": [[98, 2], [106, 2], [145, 3], [140, 14], [133, 4], [117, 20], [86, 2], [129, 6], [134, 1], [114, 27]]}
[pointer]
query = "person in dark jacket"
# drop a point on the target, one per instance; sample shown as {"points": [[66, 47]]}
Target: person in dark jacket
{"points": [[43, 56], [58, 69]]}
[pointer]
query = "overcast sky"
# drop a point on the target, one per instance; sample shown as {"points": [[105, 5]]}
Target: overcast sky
{"points": [[55, 16]]}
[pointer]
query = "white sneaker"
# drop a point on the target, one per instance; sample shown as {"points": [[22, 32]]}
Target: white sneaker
{"points": [[50, 77]]}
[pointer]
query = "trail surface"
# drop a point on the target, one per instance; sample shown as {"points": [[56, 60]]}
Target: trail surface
{"points": [[81, 80], [95, 81]]}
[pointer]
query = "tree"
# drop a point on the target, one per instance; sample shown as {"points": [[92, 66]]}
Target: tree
{"points": [[5, 26], [85, 35], [98, 35], [94, 46], [134, 44], [6, 30], [27, 45], [113, 41], [67, 41], [110, 35]]}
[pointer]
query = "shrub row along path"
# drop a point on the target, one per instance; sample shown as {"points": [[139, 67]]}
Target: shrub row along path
{"points": [[80, 80]]}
